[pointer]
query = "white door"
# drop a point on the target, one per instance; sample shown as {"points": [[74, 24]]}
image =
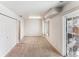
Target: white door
{"points": [[7, 34]]}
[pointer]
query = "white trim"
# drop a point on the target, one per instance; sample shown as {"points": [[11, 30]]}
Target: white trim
{"points": [[64, 36]]}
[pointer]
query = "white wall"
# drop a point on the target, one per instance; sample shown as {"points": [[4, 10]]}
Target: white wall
{"points": [[33, 27], [55, 32], [56, 28], [8, 30], [8, 12]]}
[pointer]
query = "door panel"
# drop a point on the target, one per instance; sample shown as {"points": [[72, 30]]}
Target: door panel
{"points": [[7, 34]]}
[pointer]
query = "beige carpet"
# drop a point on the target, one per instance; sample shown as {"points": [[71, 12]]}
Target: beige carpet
{"points": [[33, 47]]}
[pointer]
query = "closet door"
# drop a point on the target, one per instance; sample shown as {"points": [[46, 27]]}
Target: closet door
{"points": [[7, 34]]}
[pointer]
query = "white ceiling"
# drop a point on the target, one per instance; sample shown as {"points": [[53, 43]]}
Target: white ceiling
{"points": [[27, 8]]}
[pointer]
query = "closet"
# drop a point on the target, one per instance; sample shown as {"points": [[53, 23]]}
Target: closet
{"points": [[71, 33], [7, 34]]}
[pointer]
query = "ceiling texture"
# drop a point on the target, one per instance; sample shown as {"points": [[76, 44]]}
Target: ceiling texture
{"points": [[28, 8]]}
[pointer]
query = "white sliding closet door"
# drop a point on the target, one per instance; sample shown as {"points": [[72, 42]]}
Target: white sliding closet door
{"points": [[7, 34]]}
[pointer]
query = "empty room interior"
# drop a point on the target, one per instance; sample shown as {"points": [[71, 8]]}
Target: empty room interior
{"points": [[39, 28]]}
